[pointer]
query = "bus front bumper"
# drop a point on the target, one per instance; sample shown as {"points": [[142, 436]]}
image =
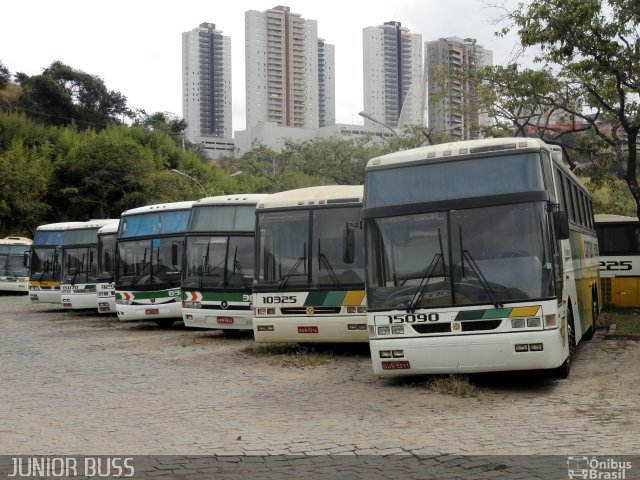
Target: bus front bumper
{"points": [[218, 319], [467, 353], [311, 329], [133, 313]]}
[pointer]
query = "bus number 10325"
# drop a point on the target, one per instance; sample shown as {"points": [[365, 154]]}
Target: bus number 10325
{"points": [[410, 318]]}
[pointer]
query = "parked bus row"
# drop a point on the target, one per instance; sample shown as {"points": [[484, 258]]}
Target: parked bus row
{"points": [[477, 256]]}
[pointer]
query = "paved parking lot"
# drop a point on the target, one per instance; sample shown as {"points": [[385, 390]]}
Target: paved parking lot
{"points": [[79, 383]]}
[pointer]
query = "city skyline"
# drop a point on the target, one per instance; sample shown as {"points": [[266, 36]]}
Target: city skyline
{"points": [[146, 67]]}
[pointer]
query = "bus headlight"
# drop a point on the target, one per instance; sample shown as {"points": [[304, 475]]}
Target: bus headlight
{"points": [[362, 309], [517, 323], [397, 329], [384, 330], [351, 310], [533, 322]]}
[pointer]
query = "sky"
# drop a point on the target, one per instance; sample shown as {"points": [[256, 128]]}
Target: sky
{"points": [[135, 46]]}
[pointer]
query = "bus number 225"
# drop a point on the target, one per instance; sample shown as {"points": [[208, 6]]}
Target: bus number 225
{"points": [[612, 265]]}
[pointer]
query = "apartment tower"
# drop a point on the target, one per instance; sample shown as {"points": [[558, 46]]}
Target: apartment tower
{"points": [[393, 81], [283, 71], [454, 111], [206, 83]]}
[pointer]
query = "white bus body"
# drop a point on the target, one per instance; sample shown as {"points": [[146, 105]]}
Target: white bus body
{"points": [[14, 275], [105, 280], [149, 262], [472, 263], [80, 264], [44, 262], [306, 288], [217, 273]]}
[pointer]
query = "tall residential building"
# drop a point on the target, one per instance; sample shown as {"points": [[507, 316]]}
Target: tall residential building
{"points": [[326, 84], [206, 83], [455, 111], [393, 81], [283, 71]]}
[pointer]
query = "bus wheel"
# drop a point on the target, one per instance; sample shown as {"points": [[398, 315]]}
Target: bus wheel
{"points": [[563, 370], [588, 335], [165, 323]]}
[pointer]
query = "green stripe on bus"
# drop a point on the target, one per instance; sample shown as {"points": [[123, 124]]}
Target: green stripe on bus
{"points": [[470, 315], [334, 298], [220, 296], [315, 299], [497, 313]]}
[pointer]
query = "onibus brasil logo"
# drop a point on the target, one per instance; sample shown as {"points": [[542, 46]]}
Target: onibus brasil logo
{"points": [[595, 468]]}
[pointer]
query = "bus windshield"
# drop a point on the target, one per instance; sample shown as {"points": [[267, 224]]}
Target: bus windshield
{"points": [[79, 265], [219, 262], [471, 256], [44, 264], [305, 249], [13, 265], [153, 263], [106, 256]]}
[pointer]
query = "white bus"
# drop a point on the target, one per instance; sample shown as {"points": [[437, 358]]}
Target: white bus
{"points": [[14, 274], [44, 262], [619, 243], [80, 264], [481, 256], [217, 274], [149, 262], [105, 279], [309, 283]]}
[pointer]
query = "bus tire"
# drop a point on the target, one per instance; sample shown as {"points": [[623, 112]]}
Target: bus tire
{"points": [[563, 370], [165, 323], [588, 335]]}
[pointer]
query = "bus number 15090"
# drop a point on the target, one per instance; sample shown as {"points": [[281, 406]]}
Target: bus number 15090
{"points": [[410, 318]]}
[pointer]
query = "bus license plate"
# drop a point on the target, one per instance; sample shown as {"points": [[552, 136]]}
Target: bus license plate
{"points": [[151, 311], [224, 319], [396, 365], [307, 329]]}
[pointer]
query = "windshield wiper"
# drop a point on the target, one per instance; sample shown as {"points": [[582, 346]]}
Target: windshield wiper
{"points": [[139, 275], [428, 274], [290, 273], [238, 265], [322, 259], [205, 264], [476, 270]]}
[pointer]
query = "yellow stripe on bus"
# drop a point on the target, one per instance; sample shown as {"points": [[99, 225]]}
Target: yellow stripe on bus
{"points": [[353, 297], [524, 311]]}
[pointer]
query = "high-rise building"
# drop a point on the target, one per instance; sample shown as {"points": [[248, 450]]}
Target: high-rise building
{"points": [[393, 81], [283, 71], [326, 84], [206, 83], [453, 110]]}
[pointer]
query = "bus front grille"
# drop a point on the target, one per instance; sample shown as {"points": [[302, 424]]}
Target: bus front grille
{"points": [[316, 310]]}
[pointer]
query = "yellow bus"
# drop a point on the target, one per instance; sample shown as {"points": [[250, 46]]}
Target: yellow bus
{"points": [[619, 243]]}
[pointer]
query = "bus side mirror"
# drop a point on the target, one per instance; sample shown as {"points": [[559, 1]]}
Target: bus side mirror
{"points": [[349, 245], [91, 258], [561, 225], [348, 256], [174, 254], [26, 260]]}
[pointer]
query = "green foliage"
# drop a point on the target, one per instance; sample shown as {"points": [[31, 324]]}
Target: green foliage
{"points": [[593, 48], [5, 75]]}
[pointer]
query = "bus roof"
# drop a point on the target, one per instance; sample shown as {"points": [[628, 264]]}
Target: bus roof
{"points": [[239, 199], [159, 207], [464, 147], [322, 195], [609, 218], [109, 228], [15, 241], [95, 223], [58, 226]]}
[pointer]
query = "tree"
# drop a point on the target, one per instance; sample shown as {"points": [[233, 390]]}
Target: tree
{"points": [[593, 48], [62, 95], [5, 75]]}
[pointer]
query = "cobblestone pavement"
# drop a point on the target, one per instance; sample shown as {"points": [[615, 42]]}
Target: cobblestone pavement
{"points": [[79, 383]]}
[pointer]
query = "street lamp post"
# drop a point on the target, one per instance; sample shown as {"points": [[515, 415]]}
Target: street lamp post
{"points": [[194, 180], [374, 120]]}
